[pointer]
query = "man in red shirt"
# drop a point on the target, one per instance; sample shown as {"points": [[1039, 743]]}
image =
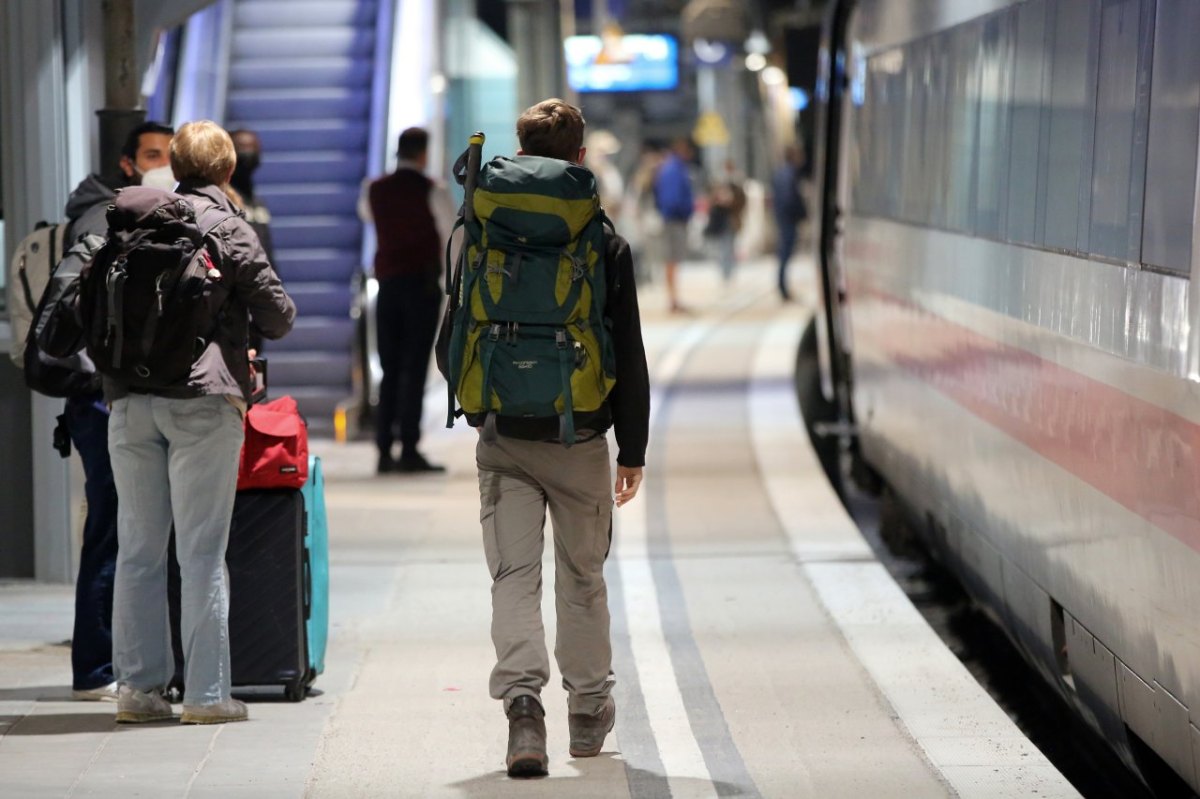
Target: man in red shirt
{"points": [[412, 216]]}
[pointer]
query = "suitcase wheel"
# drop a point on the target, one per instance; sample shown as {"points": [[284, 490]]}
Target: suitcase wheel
{"points": [[296, 691]]}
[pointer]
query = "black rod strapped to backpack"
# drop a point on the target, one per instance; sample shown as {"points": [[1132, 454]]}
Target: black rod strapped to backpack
{"points": [[466, 171]]}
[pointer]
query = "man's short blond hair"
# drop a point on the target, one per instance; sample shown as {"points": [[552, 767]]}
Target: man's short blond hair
{"points": [[552, 129], [202, 151]]}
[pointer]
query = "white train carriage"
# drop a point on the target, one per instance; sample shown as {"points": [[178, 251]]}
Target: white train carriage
{"points": [[1011, 266]]}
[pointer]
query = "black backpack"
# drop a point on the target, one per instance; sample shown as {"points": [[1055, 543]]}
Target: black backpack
{"points": [[52, 355], [150, 299]]}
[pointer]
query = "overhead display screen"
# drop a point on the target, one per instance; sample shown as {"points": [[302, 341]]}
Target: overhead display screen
{"points": [[632, 63]]}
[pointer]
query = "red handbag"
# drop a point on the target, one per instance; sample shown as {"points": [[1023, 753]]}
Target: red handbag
{"points": [[275, 452]]}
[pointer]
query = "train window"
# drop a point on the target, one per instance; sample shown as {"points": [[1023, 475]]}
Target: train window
{"points": [[995, 118], [1071, 110], [1028, 79], [1118, 168], [962, 121], [1174, 131], [922, 133]]}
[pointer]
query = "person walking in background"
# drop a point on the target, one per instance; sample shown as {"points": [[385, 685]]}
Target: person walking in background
{"points": [[790, 209], [145, 154], [726, 205], [413, 217], [525, 469], [175, 453], [673, 198]]}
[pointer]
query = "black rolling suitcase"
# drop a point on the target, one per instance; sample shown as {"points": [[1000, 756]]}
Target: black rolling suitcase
{"points": [[270, 588], [268, 593]]}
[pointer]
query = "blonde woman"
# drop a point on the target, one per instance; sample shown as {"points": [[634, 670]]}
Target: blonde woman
{"points": [[175, 455]]}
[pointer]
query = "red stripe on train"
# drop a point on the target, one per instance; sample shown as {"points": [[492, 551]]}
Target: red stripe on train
{"points": [[1142, 456]]}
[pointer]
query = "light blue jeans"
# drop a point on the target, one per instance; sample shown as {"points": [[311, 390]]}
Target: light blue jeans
{"points": [[173, 460]]}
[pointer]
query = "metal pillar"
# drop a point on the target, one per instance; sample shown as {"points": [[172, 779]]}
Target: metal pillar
{"points": [[122, 94], [35, 500], [536, 38]]}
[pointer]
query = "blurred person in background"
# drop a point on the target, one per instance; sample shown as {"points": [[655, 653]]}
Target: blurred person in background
{"points": [[643, 228], [413, 217], [675, 201], [726, 206], [249, 157], [600, 146], [790, 209]]}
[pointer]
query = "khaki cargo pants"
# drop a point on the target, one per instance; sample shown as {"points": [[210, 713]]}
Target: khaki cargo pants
{"points": [[518, 481]]}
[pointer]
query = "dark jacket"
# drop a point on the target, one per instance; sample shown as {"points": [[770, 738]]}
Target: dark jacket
{"points": [[409, 243], [627, 408], [254, 290], [88, 205]]}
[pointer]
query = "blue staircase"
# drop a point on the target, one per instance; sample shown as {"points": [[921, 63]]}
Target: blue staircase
{"points": [[300, 75]]}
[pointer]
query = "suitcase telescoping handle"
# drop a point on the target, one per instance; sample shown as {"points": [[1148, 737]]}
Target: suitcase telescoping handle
{"points": [[474, 156]]}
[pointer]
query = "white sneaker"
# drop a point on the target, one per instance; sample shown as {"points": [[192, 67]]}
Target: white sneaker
{"points": [[103, 693], [215, 713], [136, 707]]}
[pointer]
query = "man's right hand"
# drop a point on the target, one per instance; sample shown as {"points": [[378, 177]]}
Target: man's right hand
{"points": [[629, 479]]}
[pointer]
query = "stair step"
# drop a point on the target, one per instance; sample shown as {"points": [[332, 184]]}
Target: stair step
{"points": [[284, 135], [305, 13], [302, 42], [263, 73], [322, 334], [256, 104], [310, 198], [316, 166], [309, 368], [313, 264], [316, 300], [295, 232]]}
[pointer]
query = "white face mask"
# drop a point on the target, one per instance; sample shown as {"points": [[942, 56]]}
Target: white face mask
{"points": [[159, 178]]}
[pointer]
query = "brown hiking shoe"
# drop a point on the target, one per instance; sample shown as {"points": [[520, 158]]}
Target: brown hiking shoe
{"points": [[526, 738], [589, 730]]}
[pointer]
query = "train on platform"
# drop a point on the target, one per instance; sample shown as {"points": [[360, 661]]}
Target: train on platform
{"points": [[1010, 266]]}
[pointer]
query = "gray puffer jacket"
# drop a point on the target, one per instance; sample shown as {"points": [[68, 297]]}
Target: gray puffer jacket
{"points": [[255, 291]]}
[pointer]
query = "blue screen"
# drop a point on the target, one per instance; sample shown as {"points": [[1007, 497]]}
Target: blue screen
{"points": [[633, 63]]}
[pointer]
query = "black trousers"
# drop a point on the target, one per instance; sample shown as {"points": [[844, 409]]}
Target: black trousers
{"points": [[407, 321]]}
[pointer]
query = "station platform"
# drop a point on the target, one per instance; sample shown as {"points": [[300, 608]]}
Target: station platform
{"points": [[760, 648]]}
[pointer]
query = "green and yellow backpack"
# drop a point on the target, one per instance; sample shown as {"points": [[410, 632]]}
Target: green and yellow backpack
{"points": [[528, 337]]}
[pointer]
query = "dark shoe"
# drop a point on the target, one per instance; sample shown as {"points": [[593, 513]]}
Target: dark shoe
{"points": [[589, 730], [386, 464], [415, 462], [526, 738]]}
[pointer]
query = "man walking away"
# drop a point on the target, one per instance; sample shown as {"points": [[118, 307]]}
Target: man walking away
{"points": [[673, 196], [790, 210], [524, 467], [145, 157], [412, 217]]}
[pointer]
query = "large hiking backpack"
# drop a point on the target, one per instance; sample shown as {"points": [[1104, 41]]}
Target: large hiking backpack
{"points": [[528, 337], [29, 271], [54, 359], [150, 299]]}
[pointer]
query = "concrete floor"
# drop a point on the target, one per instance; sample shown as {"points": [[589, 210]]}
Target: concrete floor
{"points": [[759, 648]]}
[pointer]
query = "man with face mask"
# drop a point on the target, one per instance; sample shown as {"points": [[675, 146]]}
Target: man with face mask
{"points": [[145, 160], [249, 156]]}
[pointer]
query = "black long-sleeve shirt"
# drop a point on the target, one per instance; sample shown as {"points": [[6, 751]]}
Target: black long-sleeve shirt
{"points": [[627, 408]]}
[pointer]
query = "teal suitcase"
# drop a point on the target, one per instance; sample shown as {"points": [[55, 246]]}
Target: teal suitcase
{"points": [[316, 563]]}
